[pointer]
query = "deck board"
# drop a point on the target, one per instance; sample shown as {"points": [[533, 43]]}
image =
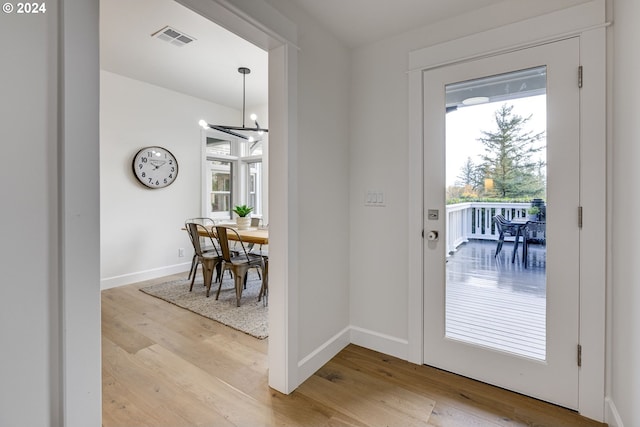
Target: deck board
{"points": [[492, 302]]}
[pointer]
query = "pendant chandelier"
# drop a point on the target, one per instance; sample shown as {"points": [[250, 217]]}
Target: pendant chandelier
{"points": [[251, 134]]}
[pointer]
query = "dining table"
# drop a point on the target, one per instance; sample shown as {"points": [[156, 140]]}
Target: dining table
{"points": [[255, 235], [258, 236]]}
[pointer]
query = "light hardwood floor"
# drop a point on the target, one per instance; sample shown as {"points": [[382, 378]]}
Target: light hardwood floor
{"points": [[165, 366]]}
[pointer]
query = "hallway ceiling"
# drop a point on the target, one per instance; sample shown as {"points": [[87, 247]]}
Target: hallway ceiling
{"points": [[358, 22], [207, 67]]}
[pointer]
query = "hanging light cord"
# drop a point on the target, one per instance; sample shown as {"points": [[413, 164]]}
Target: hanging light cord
{"points": [[231, 130]]}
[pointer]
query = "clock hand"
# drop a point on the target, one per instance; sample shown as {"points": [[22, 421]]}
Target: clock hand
{"points": [[157, 163]]}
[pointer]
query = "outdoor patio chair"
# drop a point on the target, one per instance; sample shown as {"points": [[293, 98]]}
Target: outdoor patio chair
{"points": [[534, 232], [504, 227]]}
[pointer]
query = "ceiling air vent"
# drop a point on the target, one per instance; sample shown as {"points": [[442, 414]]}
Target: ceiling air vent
{"points": [[173, 36]]}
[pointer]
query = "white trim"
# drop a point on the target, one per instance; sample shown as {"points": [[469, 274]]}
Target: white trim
{"points": [[263, 25], [366, 338], [415, 221], [380, 342], [79, 204], [593, 236], [587, 21], [139, 276], [530, 32], [270, 30], [79, 213], [612, 417], [327, 351], [283, 227]]}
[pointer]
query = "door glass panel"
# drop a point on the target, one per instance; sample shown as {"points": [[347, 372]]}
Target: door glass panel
{"points": [[496, 281]]}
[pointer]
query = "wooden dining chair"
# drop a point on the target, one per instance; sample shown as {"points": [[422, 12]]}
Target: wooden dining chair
{"points": [[210, 260], [238, 264]]}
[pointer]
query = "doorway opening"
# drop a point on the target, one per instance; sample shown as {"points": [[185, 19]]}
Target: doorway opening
{"points": [[174, 213]]}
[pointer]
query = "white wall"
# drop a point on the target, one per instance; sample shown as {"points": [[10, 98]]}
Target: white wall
{"points": [[625, 380], [29, 326], [50, 300], [140, 227], [378, 161], [323, 192]]}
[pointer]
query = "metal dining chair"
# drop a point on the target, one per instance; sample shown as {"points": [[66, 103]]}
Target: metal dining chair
{"points": [[203, 243], [210, 260], [238, 264]]}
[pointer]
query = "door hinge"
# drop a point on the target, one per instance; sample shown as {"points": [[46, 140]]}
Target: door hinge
{"points": [[579, 216], [423, 234], [579, 355], [580, 76]]}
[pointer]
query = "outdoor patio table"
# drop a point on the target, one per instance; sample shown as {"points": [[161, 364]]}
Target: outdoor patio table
{"points": [[519, 225]]}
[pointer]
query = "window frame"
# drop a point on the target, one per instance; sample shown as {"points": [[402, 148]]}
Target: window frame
{"points": [[240, 169]]}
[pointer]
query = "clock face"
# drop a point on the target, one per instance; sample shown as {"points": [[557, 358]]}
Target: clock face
{"points": [[155, 167]]}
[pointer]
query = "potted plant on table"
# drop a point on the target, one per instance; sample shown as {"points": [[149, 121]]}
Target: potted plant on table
{"points": [[243, 221], [533, 212]]}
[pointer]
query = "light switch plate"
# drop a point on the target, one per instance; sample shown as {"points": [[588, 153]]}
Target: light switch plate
{"points": [[374, 198]]}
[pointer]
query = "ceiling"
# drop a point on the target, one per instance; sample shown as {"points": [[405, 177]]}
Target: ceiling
{"points": [[358, 22], [207, 67]]}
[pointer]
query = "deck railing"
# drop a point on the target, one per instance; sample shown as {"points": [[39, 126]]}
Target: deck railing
{"points": [[474, 220]]}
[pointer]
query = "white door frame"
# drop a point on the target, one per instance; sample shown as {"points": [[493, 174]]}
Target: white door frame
{"points": [[77, 375], [586, 21], [278, 36]]}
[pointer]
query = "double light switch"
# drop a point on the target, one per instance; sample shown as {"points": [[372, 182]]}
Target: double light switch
{"points": [[374, 198]]}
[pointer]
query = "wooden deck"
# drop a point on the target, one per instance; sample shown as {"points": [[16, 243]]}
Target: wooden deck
{"points": [[495, 303]]}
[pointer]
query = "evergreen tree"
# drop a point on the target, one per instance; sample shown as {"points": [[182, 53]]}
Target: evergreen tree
{"points": [[508, 156], [470, 175]]}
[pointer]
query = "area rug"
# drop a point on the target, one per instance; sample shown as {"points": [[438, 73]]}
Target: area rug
{"points": [[250, 317]]}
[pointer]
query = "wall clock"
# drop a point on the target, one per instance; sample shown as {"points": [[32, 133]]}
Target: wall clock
{"points": [[155, 167]]}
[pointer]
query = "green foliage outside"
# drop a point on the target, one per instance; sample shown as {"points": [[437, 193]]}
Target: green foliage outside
{"points": [[507, 170], [453, 201]]}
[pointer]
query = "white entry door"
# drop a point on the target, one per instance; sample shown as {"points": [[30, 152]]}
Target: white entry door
{"points": [[501, 135]]}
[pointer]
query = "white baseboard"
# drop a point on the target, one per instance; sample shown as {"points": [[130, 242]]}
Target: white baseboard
{"points": [[611, 416], [350, 335], [316, 359], [380, 342], [127, 279]]}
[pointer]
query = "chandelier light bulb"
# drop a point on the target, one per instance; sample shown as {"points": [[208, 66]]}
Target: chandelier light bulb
{"points": [[203, 124], [253, 116]]}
